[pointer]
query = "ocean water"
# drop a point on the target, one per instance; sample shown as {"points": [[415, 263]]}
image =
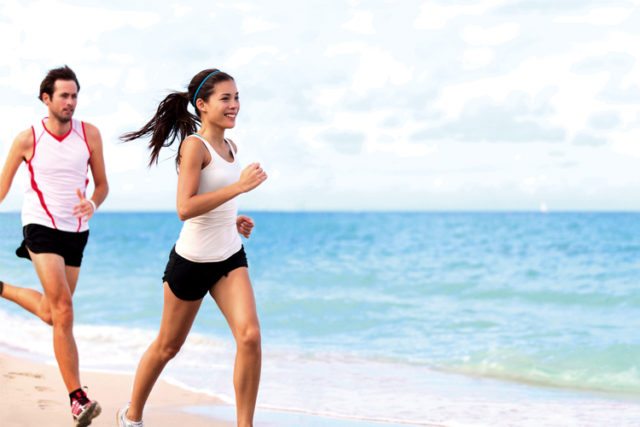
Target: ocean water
{"points": [[456, 319]]}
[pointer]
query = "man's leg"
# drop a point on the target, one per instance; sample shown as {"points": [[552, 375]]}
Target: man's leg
{"points": [[34, 301], [59, 288], [57, 291], [29, 299]]}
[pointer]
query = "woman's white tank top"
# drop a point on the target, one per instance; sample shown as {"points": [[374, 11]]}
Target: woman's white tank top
{"points": [[213, 236]]}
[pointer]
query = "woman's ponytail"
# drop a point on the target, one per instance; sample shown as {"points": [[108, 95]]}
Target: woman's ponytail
{"points": [[172, 121]]}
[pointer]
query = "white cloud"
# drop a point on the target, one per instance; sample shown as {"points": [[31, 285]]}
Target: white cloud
{"points": [[252, 24], [136, 80], [246, 55], [625, 43], [598, 16], [434, 15], [181, 10], [534, 184], [361, 23], [376, 67], [627, 143], [62, 23], [356, 94], [121, 157], [476, 35], [575, 96], [477, 58]]}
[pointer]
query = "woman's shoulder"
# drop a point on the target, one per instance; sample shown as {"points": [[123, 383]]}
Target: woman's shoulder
{"points": [[193, 140], [192, 145]]}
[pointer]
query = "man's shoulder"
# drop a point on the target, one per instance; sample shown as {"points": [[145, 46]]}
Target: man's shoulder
{"points": [[91, 131], [25, 137]]}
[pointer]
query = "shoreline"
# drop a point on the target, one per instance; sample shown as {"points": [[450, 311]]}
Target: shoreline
{"points": [[32, 393]]}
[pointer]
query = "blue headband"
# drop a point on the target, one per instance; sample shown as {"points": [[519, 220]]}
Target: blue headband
{"points": [[195, 95]]}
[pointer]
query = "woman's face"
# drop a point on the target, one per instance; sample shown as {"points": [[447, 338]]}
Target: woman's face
{"points": [[223, 105]]}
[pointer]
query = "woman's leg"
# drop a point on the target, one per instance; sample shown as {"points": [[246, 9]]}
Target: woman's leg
{"points": [[234, 296], [177, 317]]}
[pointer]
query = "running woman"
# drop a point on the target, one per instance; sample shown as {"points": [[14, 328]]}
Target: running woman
{"points": [[208, 257], [58, 152]]}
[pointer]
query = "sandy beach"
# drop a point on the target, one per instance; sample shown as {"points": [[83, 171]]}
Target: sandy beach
{"points": [[32, 394]]}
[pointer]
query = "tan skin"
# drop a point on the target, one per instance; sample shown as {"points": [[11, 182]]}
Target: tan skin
{"points": [[233, 294], [59, 281]]}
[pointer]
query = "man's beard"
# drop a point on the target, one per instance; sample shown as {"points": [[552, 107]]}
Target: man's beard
{"points": [[62, 119]]}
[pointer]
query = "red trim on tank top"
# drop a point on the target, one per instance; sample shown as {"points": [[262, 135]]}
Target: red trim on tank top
{"points": [[56, 137], [86, 141], [35, 143], [34, 186], [33, 152], [80, 218]]}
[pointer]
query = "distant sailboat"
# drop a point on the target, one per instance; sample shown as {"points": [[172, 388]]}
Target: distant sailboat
{"points": [[543, 207]]}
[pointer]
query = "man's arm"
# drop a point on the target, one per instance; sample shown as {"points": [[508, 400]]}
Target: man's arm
{"points": [[20, 151], [98, 170]]}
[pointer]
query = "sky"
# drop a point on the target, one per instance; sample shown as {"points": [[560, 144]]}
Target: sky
{"points": [[355, 105]]}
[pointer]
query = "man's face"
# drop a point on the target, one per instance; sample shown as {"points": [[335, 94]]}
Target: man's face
{"points": [[63, 102]]}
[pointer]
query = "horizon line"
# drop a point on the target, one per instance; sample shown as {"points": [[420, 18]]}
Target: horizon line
{"points": [[396, 211]]}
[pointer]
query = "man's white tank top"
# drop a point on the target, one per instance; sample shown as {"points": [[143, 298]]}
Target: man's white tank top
{"points": [[58, 166], [213, 236]]}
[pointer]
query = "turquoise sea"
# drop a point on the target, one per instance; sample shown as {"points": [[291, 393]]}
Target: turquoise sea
{"points": [[456, 319]]}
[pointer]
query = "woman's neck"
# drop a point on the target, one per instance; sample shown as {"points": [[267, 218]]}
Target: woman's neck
{"points": [[212, 134]]}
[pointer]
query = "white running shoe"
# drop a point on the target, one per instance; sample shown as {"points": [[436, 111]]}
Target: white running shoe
{"points": [[123, 421]]}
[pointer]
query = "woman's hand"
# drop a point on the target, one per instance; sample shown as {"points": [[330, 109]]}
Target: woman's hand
{"points": [[244, 224], [251, 177]]}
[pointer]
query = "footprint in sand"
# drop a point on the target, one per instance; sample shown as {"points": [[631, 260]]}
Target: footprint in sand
{"points": [[41, 388], [12, 375], [46, 404]]}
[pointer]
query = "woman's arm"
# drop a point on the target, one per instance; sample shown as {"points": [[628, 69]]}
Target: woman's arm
{"points": [[189, 203]]}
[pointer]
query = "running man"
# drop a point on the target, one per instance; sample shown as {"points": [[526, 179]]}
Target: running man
{"points": [[58, 152]]}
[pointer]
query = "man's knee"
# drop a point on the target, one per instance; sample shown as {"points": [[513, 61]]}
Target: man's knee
{"points": [[46, 317], [61, 313]]}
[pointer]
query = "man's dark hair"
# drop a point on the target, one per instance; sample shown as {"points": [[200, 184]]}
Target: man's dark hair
{"points": [[62, 73]]}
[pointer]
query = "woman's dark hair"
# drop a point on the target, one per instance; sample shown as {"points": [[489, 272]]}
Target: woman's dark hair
{"points": [[172, 119], [62, 73]]}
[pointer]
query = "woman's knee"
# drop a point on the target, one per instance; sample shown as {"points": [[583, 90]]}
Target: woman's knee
{"points": [[167, 350], [249, 338]]}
